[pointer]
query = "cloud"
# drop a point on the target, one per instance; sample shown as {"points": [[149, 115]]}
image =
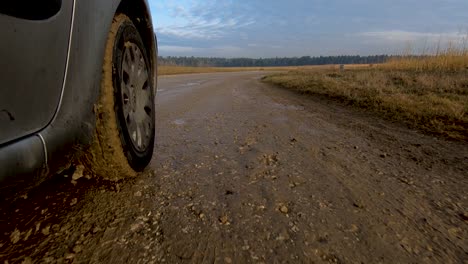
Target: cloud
{"points": [[261, 28], [215, 51], [202, 21], [176, 49]]}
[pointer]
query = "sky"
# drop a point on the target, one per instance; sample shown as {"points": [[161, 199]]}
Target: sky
{"points": [[288, 28]]}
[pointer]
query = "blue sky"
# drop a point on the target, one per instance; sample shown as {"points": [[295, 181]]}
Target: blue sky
{"points": [[262, 28]]}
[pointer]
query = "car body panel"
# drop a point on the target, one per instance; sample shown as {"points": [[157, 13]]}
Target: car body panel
{"points": [[33, 58], [24, 159], [72, 128]]}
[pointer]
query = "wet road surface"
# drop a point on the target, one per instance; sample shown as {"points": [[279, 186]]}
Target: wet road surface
{"points": [[244, 172]]}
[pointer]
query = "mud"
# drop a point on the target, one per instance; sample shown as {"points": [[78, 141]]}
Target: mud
{"points": [[248, 173]]}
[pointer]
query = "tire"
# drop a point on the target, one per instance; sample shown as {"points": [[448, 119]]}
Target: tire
{"points": [[125, 116]]}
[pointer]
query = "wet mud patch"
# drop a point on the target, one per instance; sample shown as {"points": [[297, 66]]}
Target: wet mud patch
{"points": [[36, 219]]}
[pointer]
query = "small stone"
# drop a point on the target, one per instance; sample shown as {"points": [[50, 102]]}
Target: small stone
{"points": [[28, 234], [354, 228], [136, 226], [78, 172], [137, 194], [46, 230], [74, 201], [77, 249], [69, 256], [284, 209], [15, 236], [227, 260], [224, 220], [202, 215], [454, 231], [358, 204], [283, 236]]}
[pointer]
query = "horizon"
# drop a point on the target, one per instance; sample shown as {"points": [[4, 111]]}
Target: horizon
{"points": [[260, 29], [281, 57]]}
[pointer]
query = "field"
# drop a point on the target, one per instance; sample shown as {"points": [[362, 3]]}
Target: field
{"points": [[174, 70], [430, 94]]}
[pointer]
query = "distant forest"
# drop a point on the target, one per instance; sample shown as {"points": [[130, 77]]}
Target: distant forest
{"points": [[268, 62]]}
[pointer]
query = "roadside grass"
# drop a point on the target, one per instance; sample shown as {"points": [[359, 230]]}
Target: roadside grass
{"points": [[174, 70], [430, 94]]}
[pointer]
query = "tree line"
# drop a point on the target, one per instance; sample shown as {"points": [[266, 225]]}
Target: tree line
{"points": [[271, 62]]}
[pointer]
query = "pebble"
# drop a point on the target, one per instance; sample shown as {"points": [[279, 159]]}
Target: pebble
{"points": [[28, 234], [358, 204], [74, 201], [284, 209], [78, 173], [353, 228], [77, 249], [15, 236], [137, 194], [46, 230], [224, 219]]}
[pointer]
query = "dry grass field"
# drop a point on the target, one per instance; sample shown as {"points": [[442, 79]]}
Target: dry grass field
{"points": [[430, 94], [174, 70]]}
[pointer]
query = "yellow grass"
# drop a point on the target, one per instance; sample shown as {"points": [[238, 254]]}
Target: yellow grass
{"points": [[173, 70], [452, 59], [430, 93]]}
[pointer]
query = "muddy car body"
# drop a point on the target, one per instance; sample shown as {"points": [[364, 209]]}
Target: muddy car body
{"points": [[52, 57]]}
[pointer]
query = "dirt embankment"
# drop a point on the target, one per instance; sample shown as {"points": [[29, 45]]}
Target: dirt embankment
{"points": [[435, 102]]}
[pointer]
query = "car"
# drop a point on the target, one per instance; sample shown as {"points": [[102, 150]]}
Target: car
{"points": [[77, 88]]}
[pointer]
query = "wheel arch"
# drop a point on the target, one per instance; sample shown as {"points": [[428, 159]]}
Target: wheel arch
{"points": [[138, 11]]}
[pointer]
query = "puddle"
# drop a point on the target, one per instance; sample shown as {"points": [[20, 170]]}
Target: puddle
{"points": [[192, 84], [179, 122]]}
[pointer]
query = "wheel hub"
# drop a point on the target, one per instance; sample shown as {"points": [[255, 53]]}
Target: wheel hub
{"points": [[136, 97]]}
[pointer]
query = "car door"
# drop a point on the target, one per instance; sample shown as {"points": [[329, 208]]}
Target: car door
{"points": [[34, 37]]}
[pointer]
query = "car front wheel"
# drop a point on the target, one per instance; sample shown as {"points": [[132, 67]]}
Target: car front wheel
{"points": [[125, 116]]}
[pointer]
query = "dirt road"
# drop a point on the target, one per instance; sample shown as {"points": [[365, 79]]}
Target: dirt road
{"points": [[248, 173]]}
